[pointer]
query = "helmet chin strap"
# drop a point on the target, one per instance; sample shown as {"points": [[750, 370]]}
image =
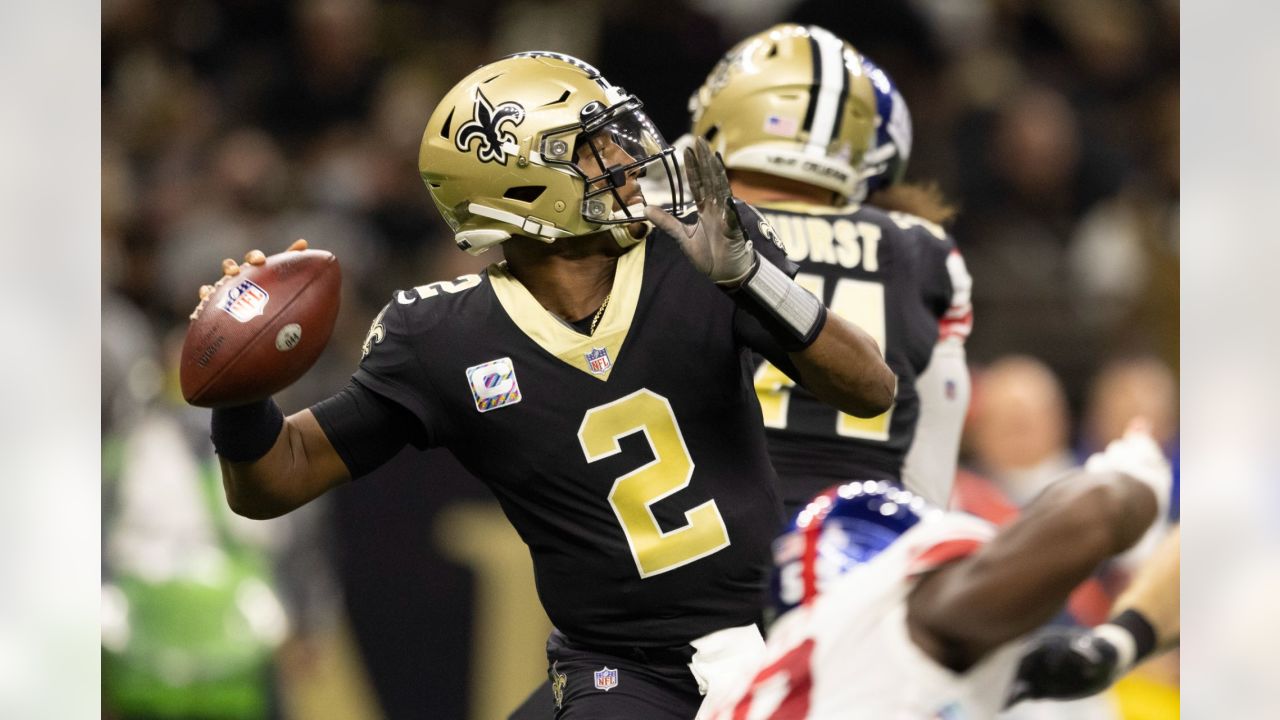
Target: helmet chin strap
{"points": [[622, 233]]}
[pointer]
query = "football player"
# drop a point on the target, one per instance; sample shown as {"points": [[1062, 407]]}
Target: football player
{"points": [[888, 608], [807, 127], [598, 380]]}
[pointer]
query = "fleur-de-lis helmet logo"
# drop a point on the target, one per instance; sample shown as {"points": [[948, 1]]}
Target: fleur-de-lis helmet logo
{"points": [[485, 125]]}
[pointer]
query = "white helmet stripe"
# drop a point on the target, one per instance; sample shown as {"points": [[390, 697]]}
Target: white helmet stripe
{"points": [[830, 87]]}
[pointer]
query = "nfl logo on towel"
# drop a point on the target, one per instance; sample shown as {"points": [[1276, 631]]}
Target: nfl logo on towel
{"points": [[598, 361], [606, 679]]}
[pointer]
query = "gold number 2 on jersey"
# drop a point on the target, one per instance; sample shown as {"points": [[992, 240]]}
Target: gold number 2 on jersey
{"points": [[860, 302], [671, 469]]}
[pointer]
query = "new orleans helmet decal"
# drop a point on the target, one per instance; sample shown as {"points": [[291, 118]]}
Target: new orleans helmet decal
{"points": [[486, 126]]}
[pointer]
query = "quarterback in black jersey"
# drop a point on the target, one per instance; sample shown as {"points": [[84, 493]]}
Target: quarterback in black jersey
{"points": [[598, 380], [806, 127], [592, 441]]}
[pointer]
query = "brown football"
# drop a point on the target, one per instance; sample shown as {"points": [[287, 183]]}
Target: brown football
{"points": [[259, 331]]}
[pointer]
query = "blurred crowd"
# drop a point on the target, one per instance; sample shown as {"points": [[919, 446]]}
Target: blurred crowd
{"points": [[237, 124]]}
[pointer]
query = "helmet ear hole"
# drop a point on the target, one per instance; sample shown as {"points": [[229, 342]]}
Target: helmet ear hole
{"points": [[525, 193], [711, 133]]}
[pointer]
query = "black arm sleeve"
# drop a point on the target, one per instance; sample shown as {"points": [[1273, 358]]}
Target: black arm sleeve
{"points": [[367, 429]]}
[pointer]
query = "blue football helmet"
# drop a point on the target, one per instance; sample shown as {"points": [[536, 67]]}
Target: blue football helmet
{"points": [[885, 162], [839, 530]]}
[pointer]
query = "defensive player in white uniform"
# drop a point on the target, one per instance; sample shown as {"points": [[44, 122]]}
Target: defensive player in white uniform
{"points": [[889, 609], [807, 128]]}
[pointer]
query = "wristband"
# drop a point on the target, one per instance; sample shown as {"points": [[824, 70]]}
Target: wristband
{"points": [[246, 432], [1142, 636], [791, 313]]}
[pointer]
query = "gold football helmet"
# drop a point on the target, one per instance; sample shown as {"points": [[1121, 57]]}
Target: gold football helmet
{"points": [[539, 144], [793, 101]]}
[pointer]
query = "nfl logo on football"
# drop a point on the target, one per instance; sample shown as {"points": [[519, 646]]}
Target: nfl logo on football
{"points": [[598, 361], [606, 678], [245, 301]]}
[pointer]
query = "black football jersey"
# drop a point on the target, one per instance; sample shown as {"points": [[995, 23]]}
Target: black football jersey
{"points": [[898, 277], [632, 461]]}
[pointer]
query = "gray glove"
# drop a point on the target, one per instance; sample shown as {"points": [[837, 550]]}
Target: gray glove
{"points": [[716, 244]]}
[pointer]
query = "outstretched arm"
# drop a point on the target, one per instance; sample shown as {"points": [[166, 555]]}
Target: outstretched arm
{"points": [[838, 361], [1021, 578], [270, 464], [1154, 592], [1069, 663]]}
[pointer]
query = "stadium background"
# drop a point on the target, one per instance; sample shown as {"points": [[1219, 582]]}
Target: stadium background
{"points": [[238, 124]]}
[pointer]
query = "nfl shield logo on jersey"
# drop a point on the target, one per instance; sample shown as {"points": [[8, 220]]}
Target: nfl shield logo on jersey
{"points": [[493, 384], [598, 361], [606, 678]]}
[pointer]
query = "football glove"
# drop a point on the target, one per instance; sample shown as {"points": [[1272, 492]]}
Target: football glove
{"points": [[715, 244], [717, 247], [1137, 455], [1065, 664]]}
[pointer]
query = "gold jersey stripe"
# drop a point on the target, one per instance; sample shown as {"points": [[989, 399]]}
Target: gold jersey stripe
{"points": [[552, 335]]}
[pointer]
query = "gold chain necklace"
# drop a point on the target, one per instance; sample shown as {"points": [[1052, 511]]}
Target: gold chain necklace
{"points": [[599, 314]]}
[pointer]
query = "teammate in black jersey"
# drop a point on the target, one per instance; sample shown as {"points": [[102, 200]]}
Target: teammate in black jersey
{"points": [[806, 126], [598, 380]]}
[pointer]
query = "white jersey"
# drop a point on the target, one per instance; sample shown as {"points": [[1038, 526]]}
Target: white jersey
{"points": [[848, 655]]}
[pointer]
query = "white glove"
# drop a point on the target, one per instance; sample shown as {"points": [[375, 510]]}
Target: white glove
{"points": [[716, 244], [1137, 455]]}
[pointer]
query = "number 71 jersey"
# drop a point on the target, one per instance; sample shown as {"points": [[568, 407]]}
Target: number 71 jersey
{"points": [[902, 280], [631, 461]]}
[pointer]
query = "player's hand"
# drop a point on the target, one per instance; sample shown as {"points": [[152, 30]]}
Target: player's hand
{"points": [[1065, 664], [231, 269], [716, 244], [1137, 455]]}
